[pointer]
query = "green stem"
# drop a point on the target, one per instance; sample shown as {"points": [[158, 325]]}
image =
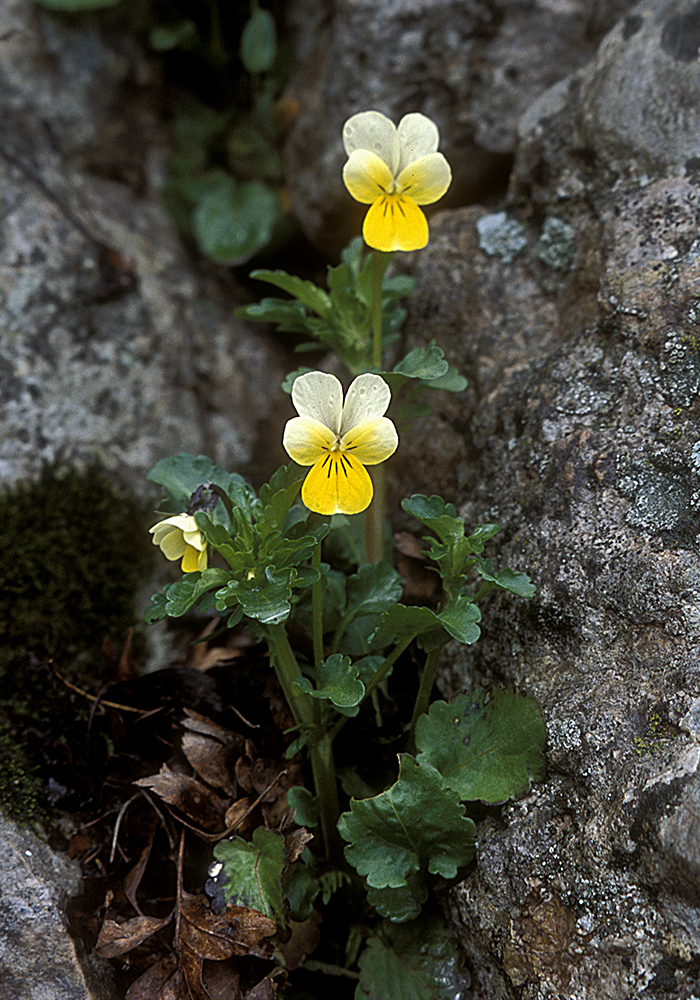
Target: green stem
{"points": [[287, 670], [381, 262], [307, 713], [374, 518], [317, 607], [376, 512], [326, 785], [424, 691]]}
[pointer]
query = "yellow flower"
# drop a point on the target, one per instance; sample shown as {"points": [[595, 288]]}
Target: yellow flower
{"points": [[394, 170], [179, 536], [339, 439]]}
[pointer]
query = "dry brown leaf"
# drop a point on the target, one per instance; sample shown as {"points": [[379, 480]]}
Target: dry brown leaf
{"points": [[304, 940], [265, 990], [213, 761], [237, 931], [196, 801], [151, 984], [135, 874], [117, 939], [235, 813], [295, 843]]}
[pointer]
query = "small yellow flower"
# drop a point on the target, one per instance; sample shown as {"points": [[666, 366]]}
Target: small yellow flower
{"points": [[339, 439], [394, 170], [179, 536]]}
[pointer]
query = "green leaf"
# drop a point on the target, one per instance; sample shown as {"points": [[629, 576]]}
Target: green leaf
{"points": [[178, 34], [336, 681], [460, 618], [180, 475], [232, 221], [423, 362], [268, 603], [305, 804], [255, 872], [401, 622], [400, 904], [74, 6], [277, 496], [157, 609], [437, 514], [259, 42], [373, 589], [301, 887], [288, 314], [417, 824], [482, 533], [506, 579], [180, 596], [220, 539], [305, 291], [451, 381], [487, 750], [414, 961]]}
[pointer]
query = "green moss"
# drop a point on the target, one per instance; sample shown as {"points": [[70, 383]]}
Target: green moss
{"points": [[73, 553], [21, 795]]}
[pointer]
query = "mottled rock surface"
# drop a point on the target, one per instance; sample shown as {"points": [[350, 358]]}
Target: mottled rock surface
{"points": [[110, 344], [575, 312], [38, 959], [474, 66]]}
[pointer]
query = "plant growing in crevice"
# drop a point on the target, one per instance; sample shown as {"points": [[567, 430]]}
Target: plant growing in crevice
{"points": [[388, 835]]}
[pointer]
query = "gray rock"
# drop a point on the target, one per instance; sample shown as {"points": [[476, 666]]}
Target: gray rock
{"points": [[579, 434], [111, 345], [474, 66], [38, 959], [632, 112]]}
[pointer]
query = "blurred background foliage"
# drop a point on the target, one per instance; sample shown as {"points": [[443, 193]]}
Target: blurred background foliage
{"points": [[225, 187]]}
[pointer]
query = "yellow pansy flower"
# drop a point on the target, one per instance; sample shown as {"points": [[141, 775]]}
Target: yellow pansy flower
{"points": [[394, 170], [339, 439], [179, 536]]}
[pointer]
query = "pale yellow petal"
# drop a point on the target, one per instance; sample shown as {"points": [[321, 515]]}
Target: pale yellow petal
{"points": [[366, 176], [373, 131], [319, 396], [195, 539], [372, 441], [173, 545], [368, 396], [426, 179], [395, 223], [306, 440], [418, 136], [337, 484], [183, 522], [193, 560]]}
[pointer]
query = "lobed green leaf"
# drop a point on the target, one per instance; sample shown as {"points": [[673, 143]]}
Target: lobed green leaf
{"points": [[233, 221], [490, 750], [414, 961], [416, 825], [460, 619], [255, 872], [337, 681]]}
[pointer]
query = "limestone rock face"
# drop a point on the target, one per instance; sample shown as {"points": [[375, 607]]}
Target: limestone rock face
{"points": [[38, 959], [474, 66], [575, 313], [110, 344]]}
